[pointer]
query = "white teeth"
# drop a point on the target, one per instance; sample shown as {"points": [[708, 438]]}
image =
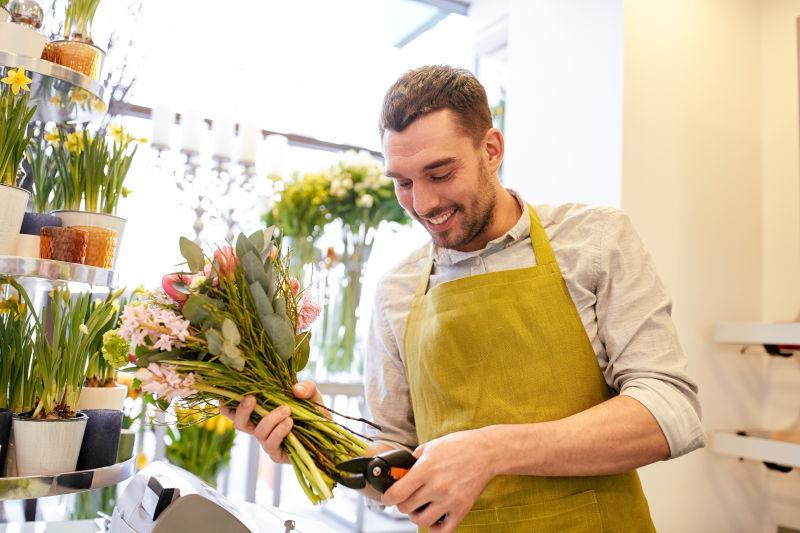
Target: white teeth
{"points": [[442, 219]]}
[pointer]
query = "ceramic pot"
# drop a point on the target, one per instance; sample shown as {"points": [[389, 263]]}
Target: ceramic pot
{"points": [[101, 439], [5, 437], [13, 202], [102, 397], [46, 447], [28, 246], [100, 220], [21, 39], [80, 56], [32, 223]]}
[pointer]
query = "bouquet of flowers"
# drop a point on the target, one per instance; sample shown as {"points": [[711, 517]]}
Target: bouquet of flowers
{"points": [[201, 442], [234, 325]]}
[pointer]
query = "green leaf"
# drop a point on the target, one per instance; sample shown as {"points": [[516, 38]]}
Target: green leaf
{"points": [[281, 333], [254, 270], [301, 352], [230, 332], [280, 306], [257, 240], [243, 245], [193, 254], [199, 309], [215, 341], [262, 303], [232, 356]]}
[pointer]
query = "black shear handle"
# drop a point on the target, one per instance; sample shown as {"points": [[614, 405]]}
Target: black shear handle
{"points": [[380, 470]]}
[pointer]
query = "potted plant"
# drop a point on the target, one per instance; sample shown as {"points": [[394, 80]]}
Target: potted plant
{"points": [[91, 171], [101, 390], [77, 50], [19, 25], [15, 117], [48, 438], [16, 352], [42, 167]]}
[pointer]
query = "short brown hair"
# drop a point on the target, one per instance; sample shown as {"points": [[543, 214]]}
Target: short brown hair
{"points": [[426, 89]]}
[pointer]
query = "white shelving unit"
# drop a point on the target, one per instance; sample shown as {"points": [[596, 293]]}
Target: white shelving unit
{"points": [[757, 333], [776, 448], [758, 446]]}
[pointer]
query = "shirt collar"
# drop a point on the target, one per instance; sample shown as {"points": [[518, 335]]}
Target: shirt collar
{"points": [[519, 231]]}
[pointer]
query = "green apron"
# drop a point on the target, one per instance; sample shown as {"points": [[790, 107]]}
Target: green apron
{"points": [[510, 348]]}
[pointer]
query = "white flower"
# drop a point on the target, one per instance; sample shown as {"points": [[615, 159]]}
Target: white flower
{"points": [[197, 281], [365, 200], [347, 183], [84, 329]]}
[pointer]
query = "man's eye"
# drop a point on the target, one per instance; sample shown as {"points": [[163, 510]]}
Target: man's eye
{"points": [[441, 178], [403, 184]]}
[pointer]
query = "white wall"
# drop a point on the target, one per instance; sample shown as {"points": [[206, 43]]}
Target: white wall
{"points": [[780, 174], [564, 111], [692, 181]]}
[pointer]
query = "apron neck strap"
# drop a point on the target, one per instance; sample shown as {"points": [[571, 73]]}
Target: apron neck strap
{"points": [[539, 241]]}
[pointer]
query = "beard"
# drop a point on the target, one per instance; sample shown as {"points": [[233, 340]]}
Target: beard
{"points": [[475, 216]]}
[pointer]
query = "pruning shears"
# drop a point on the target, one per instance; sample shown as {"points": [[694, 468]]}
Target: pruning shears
{"points": [[380, 471]]}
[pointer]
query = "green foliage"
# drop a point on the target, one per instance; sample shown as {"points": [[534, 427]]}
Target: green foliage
{"points": [[15, 134], [43, 170], [79, 17]]}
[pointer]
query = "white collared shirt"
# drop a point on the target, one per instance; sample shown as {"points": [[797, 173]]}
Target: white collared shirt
{"points": [[612, 279]]}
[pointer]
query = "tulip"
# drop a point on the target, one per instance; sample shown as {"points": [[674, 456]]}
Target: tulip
{"points": [[168, 284], [227, 261]]}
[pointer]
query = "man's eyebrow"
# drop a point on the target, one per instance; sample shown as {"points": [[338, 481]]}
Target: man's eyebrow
{"points": [[427, 168]]}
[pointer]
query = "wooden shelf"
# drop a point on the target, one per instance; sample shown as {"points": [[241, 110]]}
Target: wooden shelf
{"points": [[758, 333], [779, 448]]}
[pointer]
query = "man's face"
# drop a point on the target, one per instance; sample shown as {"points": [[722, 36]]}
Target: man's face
{"points": [[442, 180]]}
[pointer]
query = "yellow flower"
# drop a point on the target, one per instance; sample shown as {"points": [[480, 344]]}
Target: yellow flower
{"points": [[75, 142], [17, 80], [211, 423], [224, 425], [126, 192], [117, 133], [79, 96], [52, 137], [141, 460], [55, 99], [98, 106]]}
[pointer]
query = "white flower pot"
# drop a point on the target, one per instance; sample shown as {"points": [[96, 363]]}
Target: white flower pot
{"points": [[28, 245], [5, 16], [102, 397], [21, 39], [46, 447], [100, 220], [13, 202]]}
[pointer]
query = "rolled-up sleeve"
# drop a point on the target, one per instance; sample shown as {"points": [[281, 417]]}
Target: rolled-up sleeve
{"points": [[386, 385], [645, 358]]}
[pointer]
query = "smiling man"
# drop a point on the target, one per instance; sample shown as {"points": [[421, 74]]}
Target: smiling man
{"points": [[526, 355]]}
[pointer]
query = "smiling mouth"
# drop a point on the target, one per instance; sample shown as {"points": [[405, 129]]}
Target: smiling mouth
{"points": [[441, 219]]}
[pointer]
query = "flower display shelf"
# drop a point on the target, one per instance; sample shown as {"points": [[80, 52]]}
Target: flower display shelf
{"points": [[780, 339], [22, 488], [60, 93], [777, 450], [56, 271]]}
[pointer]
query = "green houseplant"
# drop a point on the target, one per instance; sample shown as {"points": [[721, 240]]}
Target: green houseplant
{"points": [[48, 439], [15, 117], [79, 18], [42, 169]]}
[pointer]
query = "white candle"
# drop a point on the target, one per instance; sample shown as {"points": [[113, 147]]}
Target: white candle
{"points": [[163, 118], [277, 148], [194, 128], [250, 136], [224, 131]]}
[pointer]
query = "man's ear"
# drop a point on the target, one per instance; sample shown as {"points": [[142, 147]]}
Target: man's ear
{"points": [[494, 146]]}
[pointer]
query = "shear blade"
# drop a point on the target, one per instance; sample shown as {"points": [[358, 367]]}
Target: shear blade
{"points": [[352, 482], [355, 466]]}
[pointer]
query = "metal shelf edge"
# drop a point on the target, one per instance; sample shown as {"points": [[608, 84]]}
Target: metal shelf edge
{"points": [[755, 448], [15, 266], [18, 488]]}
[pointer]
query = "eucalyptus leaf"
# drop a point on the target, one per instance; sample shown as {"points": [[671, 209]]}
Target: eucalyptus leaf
{"points": [[243, 245], [254, 270], [232, 356], [199, 309], [230, 332], [215, 341], [257, 240], [262, 303], [193, 254], [281, 333], [280, 306]]}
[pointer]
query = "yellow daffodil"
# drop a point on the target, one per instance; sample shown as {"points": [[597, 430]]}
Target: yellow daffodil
{"points": [[126, 192], [142, 140], [17, 80], [141, 460], [55, 99], [98, 106], [52, 137], [74, 142], [79, 96], [117, 133], [224, 425]]}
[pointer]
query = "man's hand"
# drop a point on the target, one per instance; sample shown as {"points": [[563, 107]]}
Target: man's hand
{"points": [[449, 475], [274, 427]]}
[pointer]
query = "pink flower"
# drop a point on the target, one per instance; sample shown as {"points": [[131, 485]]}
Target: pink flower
{"points": [[227, 261], [164, 381], [208, 272], [168, 284], [295, 285], [273, 253], [308, 310]]}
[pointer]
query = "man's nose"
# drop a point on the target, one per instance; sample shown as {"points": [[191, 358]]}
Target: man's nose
{"points": [[425, 200]]}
